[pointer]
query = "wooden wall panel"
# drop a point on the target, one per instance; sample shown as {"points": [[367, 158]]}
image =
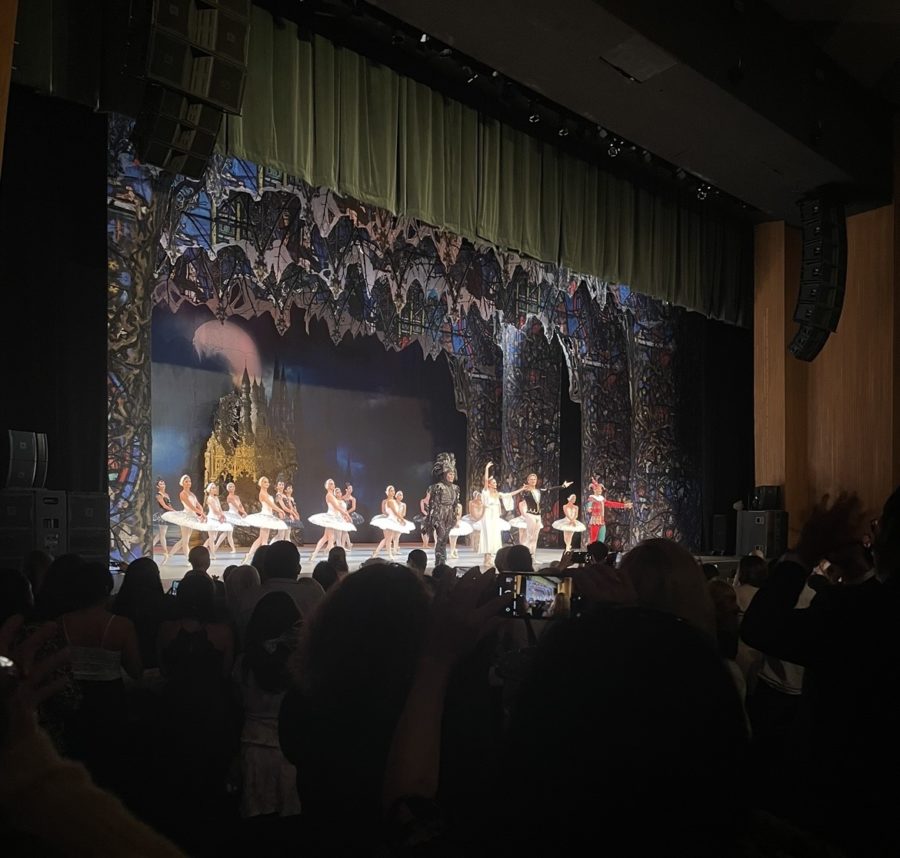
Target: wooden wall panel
{"points": [[851, 396]]}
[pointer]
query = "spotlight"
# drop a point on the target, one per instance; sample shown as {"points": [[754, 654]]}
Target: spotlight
{"points": [[680, 174], [445, 52], [646, 156], [533, 117], [602, 133], [702, 192], [495, 73], [470, 74], [613, 150], [563, 132], [423, 39]]}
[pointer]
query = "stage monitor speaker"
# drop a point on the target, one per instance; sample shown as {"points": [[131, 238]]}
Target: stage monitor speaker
{"points": [[24, 463], [766, 497], [88, 525], [823, 274], [31, 519], [763, 530]]}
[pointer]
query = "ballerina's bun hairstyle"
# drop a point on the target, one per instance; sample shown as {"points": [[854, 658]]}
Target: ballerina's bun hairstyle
{"points": [[230, 486], [572, 497], [184, 477], [259, 481], [387, 489], [329, 480], [210, 487]]}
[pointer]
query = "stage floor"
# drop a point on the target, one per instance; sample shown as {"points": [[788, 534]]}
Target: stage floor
{"points": [[177, 566]]}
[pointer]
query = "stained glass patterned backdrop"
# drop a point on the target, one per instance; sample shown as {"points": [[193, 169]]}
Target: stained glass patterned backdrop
{"points": [[251, 241], [531, 391]]}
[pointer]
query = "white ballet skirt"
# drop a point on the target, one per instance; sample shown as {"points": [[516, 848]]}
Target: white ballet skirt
{"points": [[331, 521], [502, 523], [235, 518], [474, 523], [387, 522], [191, 520], [264, 521], [463, 528], [570, 525], [518, 521]]}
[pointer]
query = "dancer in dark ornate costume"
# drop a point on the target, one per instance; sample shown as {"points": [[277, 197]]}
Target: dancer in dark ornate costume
{"points": [[444, 508], [531, 497]]}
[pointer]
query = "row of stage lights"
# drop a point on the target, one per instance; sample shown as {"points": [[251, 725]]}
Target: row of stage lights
{"points": [[399, 39]]}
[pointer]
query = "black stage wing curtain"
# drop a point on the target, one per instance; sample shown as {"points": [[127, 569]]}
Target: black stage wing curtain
{"points": [[338, 120]]}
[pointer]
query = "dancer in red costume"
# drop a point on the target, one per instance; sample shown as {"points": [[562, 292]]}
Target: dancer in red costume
{"points": [[597, 508]]}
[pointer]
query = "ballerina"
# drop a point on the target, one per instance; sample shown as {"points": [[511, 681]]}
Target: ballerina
{"points": [[491, 520], [569, 523], [234, 515], [389, 522], [421, 520], [165, 504], [343, 539], [401, 511], [334, 518], [214, 514], [191, 517], [355, 517], [461, 528], [294, 520], [473, 519], [270, 517]]}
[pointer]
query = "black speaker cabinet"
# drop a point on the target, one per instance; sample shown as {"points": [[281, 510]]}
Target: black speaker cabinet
{"points": [[24, 459], [762, 530], [766, 497], [31, 519]]}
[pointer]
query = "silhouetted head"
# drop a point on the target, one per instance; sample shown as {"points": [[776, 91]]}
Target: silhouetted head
{"points": [[282, 561], [417, 560], [325, 574], [199, 558]]}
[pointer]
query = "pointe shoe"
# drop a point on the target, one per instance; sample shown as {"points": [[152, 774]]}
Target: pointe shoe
{"points": [[165, 559]]}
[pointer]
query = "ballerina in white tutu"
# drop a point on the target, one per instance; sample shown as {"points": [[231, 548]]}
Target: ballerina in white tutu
{"points": [[390, 522], [191, 517], [461, 528], [234, 515], [269, 518], [214, 513], [342, 537], [335, 518], [164, 502], [401, 512], [473, 519], [569, 524]]}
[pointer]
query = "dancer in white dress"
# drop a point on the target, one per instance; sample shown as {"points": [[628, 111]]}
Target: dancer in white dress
{"points": [[569, 524], [165, 505], [190, 518], [473, 519], [215, 514], [401, 511], [461, 528], [269, 518], [493, 502], [390, 522], [335, 518]]}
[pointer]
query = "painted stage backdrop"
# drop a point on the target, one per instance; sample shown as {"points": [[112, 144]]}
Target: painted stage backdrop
{"points": [[253, 250]]}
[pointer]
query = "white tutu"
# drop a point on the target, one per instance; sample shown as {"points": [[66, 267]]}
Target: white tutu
{"points": [[502, 524], [331, 521], [568, 525], [190, 519], [234, 518], [474, 523], [461, 529], [518, 521], [264, 521], [385, 522]]}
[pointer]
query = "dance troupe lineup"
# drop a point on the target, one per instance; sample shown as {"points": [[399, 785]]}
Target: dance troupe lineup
{"points": [[441, 516]]}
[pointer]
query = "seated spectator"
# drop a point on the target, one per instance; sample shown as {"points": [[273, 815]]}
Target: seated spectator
{"points": [[752, 571], [141, 599], [597, 552], [239, 581], [561, 607], [501, 559], [337, 557], [518, 559], [710, 571], [54, 597], [268, 780], [352, 671], [282, 562], [417, 560], [258, 562], [199, 558], [101, 645], [325, 574], [199, 726]]}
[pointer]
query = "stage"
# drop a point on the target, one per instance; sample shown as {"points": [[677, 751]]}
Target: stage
{"points": [[177, 566]]}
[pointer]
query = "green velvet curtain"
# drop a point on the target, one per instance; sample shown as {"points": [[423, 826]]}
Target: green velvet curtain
{"points": [[338, 120]]}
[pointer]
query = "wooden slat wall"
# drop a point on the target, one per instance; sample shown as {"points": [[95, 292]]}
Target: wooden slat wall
{"points": [[7, 40], [852, 386]]}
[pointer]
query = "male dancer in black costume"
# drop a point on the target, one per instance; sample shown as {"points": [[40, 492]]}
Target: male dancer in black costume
{"points": [[443, 506], [531, 497]]}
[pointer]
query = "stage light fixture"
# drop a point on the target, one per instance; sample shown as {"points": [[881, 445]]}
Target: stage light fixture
{"points": [[533, 116], [613, 150], [646, 156], [702, 192], [445, 52], [423, 39], [471, 75], [602, 133], [563, 132], [680, 174]]}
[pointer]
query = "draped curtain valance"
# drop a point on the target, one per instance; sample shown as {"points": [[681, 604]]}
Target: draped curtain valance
{"points": [[336, 119]]}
